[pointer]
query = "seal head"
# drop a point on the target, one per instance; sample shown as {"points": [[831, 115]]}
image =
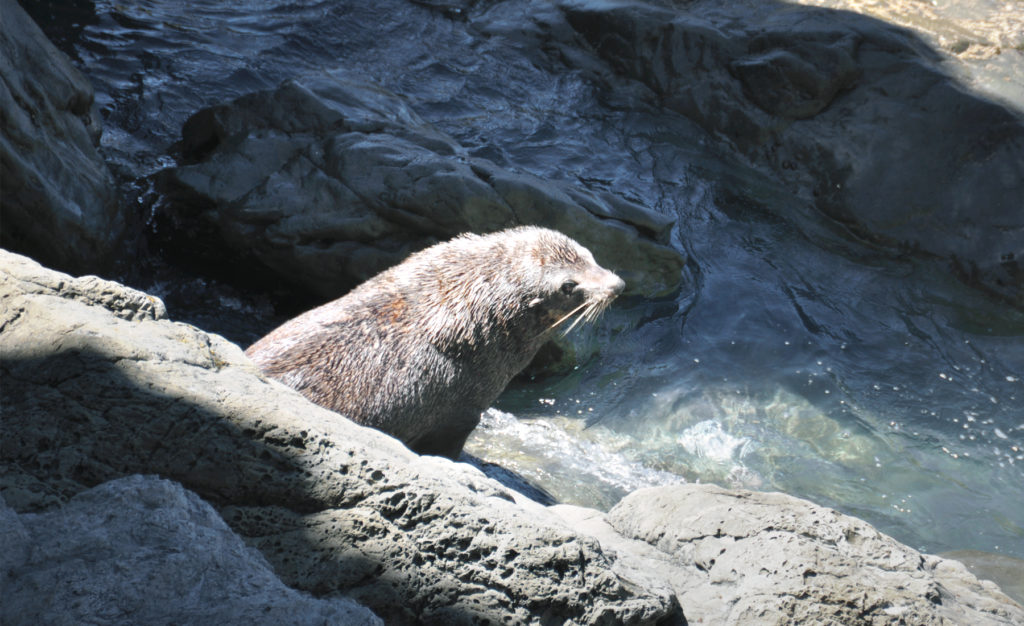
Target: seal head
{"points": [[420, 350]]}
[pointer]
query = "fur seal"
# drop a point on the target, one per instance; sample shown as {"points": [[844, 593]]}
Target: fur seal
{"points": [[421, 349]]}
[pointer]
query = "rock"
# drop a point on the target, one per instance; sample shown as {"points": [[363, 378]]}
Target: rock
{"points": [[985, 43], [846, 109], [797, 83], [142, 550], [98, 387], [738, 557], [58, 201], [124, 302], [1002, 569], [326, 182], [94, 391]]}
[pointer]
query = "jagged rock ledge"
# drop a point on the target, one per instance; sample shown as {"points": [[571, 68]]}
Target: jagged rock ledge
{"points": [[98, 385]]}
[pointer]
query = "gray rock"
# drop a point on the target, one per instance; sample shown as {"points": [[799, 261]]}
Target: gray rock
{"points": [[124, 302], [983, 46], [143, 550], [93, 391], [58, 201], [327, 181], [739, 557], [97, 386], [1002, 569], [860, 118]]}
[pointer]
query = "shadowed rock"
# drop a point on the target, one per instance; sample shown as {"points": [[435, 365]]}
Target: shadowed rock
{"points": [[58, 201], [90, 395], [141, 550], [860, 118]]}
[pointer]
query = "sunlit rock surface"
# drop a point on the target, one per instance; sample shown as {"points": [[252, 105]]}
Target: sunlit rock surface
{"points": [[89, 396], [101, 385], [739, 557]]}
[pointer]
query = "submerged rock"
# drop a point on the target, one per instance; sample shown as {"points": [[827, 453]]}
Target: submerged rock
{"points": [[98, 386], [142, 550], [58, 201], [327, 181]]}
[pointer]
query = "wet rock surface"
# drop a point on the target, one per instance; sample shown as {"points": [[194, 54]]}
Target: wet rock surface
{"points": [[94, 390], [329, 178], [324, 182], [327, 182], [983, 40], [847, 110]]}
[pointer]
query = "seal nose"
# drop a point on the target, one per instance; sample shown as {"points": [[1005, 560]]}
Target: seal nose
{"points": [[615, 284]]}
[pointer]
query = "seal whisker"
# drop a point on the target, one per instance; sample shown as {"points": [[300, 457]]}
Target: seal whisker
{"points": [[593, 309], [563, 318], [576, 321]]}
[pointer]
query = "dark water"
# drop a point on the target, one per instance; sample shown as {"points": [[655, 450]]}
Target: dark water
{"points": [[794, 360]]}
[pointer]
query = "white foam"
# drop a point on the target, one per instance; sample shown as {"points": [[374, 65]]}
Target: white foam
{"points": [[601, 460], [707, 440]]}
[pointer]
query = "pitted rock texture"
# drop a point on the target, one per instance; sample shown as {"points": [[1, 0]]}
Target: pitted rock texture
{"points": [[93, 390], [739, 557], [89, 396], [143, 550]]}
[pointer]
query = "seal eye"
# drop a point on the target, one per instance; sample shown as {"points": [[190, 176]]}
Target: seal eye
{"points": [[568, 287]]}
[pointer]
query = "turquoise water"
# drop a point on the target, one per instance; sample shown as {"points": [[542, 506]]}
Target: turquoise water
{"points": [[794, 359], [883, 389]]}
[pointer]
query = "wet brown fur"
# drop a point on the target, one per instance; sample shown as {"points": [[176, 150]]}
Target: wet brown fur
{"points": [[420, 350]]}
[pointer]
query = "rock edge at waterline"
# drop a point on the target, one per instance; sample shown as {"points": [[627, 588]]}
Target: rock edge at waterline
{"points": [[99, 385]]}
